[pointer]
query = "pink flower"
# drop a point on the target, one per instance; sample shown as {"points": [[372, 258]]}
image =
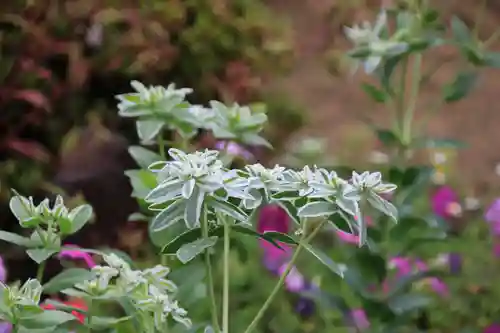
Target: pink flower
{"points": [[347, 237], [443, 202], [273, 218], [493, 328], [359, 319], [402, 265], [294, 281], [492, 216], [77, 254], [438, 286]]}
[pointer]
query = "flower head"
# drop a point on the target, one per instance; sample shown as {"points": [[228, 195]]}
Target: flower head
{"points": [[77, 254], [359, 319], [3, 271], [493, 328], [445, 203], [273, 218]]}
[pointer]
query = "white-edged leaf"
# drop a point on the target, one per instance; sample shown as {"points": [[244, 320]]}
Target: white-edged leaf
{"points": [[383, 206], [66, 279], [80, 216], [338, 269], [165, 191], [143, 157], [13, 238], [20, 207], [169, 216], [188, 188], [189, 251], [147, 130], [194, 205], [229, 209], [317, 209]]}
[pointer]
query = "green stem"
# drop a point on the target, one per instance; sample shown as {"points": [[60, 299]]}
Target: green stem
{"points": [[412, 104], [161, 146], [210, 278], [400, 104], [89, 315], [40, 271], [303, 241], [225, 293]]}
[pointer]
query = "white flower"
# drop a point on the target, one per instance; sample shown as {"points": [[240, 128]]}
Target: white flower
{"points": [[365, 34]]}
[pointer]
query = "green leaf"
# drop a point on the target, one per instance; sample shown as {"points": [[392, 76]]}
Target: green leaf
{"points": [[143, 157], [189, 251], [462, 85], [188, 237], [375, 93], [40, 255], [461, 32], [280, 237], [271, 236], [492, 59], [388, 138], [13, 238], [255, 140], [20, 207], [142, 181], [385, 72], [434, 143], [383, 206], [47, 319], [317, 209], [105, 323], [408, 303], [66, 279], [80, 216], [227, 208], [338, 269], [168, 217], [194, 206], [147, 130]]}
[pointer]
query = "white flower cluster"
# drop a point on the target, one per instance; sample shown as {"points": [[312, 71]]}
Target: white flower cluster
{"points": [[149, 290], [158, 107], [190, 181], [368, 38], [28, 294]]}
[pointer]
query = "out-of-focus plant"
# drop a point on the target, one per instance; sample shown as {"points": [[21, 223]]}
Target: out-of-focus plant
{"points": [[61, 60], [390, 275]]}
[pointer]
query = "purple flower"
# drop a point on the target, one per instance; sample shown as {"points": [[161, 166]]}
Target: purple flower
{"points": [[445, 202], [492, 216], [305, 307], [493, 328], [5, 327], [3, 271], [493, 213], [402, 265], [234, 149], [359, 320], [455, 263], [496, 250]]}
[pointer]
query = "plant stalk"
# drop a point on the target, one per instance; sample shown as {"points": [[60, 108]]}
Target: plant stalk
{"points": [[40, 271], [303, 241], [225, 292], [412, 104], [210, 278]]}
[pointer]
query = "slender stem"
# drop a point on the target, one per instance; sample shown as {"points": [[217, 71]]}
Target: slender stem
{"points": [[89, 315], [412, 104], [225, 292], [303, 241], [210, 278], [398, 122], [40, 271], [161, 146], [479, 18]]}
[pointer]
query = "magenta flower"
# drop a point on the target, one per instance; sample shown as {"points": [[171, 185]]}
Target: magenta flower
{"points": [[359, 319], [403, 266], [77, 254], [3, 271], [443, 202], [493, 328], [492, 216], [493, 213], [234, 149]]}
